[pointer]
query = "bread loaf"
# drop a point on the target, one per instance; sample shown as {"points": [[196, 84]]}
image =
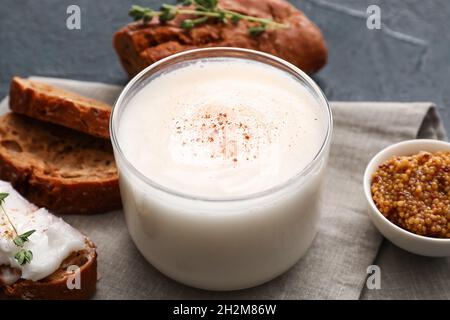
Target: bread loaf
{"points": [[139, 45]]}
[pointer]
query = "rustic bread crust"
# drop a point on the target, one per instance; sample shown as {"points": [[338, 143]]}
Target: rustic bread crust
{"points": [[48, 103], [54, 287], [32, 161], [139, 45]]}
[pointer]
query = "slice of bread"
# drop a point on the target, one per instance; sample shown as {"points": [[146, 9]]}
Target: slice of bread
{"points": [[44, 102], [58, 168], [54, 287]]}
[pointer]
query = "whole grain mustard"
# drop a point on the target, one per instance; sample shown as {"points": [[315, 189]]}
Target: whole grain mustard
{"points": [[413, 192]]}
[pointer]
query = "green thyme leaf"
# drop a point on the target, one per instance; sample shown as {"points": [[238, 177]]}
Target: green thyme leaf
{"points": [[256, 31], [25, 235], [3, 196], [203, 10], [222, 17], [235, 18], [190, 23], [20, 240], [136, 12], [167, 13], [187, 24], [23, 256], [140, 13], [207, 4]]}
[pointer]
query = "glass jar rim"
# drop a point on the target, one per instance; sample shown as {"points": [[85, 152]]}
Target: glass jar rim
{"points": [[219, 52]]}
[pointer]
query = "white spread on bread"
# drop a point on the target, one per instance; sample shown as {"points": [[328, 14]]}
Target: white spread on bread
{"points": [[52, 242]]}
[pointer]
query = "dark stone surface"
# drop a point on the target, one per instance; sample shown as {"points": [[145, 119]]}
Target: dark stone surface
{"points": [[408, 60], [364, 64]]}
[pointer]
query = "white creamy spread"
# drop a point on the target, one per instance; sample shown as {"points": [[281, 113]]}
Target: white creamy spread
{"points": [[52, 242]]}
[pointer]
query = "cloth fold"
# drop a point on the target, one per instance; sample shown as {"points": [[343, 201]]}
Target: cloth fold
{"points": [[335, 267]]}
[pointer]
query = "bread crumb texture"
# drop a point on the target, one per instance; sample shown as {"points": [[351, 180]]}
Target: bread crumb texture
{"points": [[65, 171], [55, 151]]}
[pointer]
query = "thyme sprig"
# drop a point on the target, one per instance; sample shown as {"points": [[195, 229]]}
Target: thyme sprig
{"points": [[23, 256], [202, 11]]}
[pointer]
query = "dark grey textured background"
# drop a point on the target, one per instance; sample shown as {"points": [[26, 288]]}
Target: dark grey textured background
{"points": [[412, 63], [408, 60]]}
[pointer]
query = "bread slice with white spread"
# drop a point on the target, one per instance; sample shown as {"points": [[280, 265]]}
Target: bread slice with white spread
{"points": [[63, 263]]}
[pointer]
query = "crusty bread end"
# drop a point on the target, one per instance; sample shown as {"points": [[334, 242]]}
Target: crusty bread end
{"points": [[48, 103]]}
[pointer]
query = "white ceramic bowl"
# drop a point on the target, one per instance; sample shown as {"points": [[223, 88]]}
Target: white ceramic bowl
{"points": [[426, 246]]}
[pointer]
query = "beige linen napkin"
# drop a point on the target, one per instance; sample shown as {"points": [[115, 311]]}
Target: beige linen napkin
{"points": [[346, 244]]}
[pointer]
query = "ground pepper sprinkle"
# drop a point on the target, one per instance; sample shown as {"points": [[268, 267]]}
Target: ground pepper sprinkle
{"points": [[414, 192]]}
